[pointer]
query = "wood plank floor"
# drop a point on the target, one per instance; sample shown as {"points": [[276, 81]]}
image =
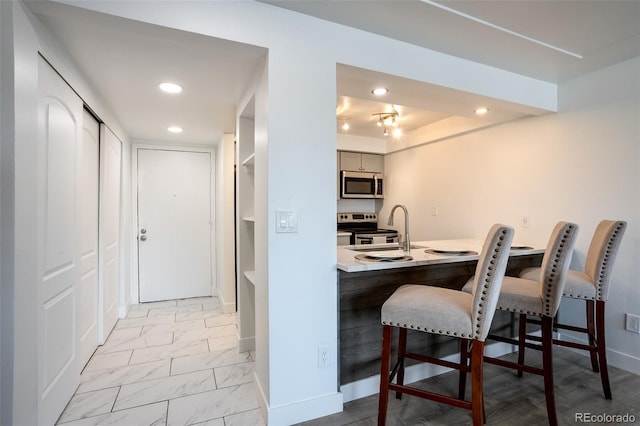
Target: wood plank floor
{"points": [[508, 400]]}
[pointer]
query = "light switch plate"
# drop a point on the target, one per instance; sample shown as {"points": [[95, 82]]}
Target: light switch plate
{"points": [[286, 221]]}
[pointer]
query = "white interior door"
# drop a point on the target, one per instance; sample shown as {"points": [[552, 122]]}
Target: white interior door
{"points": [[174, 224], [110, 168], [59, 125], [88, 199]]}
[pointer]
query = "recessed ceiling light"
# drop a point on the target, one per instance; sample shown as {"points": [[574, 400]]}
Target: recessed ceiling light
{"points": [[380, 91], [481, 110], [174, 129], [170, 87]]}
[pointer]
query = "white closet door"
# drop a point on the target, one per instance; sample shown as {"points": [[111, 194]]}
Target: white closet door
{"points": [[88, 198], [59, 125], [110, 168]]}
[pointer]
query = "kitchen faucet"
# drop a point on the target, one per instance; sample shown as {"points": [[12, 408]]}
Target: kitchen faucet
{"points": [[406, 244]]}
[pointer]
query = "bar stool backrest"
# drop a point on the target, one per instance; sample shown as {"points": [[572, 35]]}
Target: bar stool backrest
{"points": [[555, 265], [602, 253], [490, 270]]}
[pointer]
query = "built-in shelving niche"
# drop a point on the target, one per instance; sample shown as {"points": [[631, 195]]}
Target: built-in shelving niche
{"points": [[246, 231]]}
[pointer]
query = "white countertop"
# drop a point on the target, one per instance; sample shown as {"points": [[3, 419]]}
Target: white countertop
{"points": [[348, 263], [344, 234]]}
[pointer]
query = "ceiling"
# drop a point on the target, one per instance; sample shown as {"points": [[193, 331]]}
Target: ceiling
{"points": [[124, 61], [537, 38], [548, 40], [418, 104]]}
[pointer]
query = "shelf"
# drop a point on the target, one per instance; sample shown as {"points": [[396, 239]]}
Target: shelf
{"points": [[249, 219], [250, 160], [251, 276]]}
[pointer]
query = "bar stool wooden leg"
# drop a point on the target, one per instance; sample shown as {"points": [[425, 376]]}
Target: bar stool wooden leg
{"points": [[602, 349], [522, 337], [464, 360], [402, 349], [591, 333], [477, 398], [547, 366], [384, 375]]}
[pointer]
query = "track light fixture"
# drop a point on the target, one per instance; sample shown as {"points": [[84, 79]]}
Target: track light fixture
{"points": [[387, 119]]}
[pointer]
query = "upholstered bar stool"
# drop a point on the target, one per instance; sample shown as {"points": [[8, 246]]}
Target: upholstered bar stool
{"points": [[592, 286], [539, 298], [447, 312]]}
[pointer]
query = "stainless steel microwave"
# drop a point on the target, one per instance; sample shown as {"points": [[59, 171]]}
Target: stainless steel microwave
{"points": [[361, 185]]}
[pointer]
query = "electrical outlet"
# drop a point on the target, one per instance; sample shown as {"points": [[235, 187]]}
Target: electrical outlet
{"points": [[633, 323], [323, 356], [524, 221]]}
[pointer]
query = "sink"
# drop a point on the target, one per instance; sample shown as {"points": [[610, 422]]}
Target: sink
{"points": [[367, 249], [396, 257]]}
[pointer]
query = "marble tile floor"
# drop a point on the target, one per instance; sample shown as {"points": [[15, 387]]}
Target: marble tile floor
{"points": [[168, 363]]}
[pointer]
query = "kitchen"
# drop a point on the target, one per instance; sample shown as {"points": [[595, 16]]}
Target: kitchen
{"points": [[553, 157]]}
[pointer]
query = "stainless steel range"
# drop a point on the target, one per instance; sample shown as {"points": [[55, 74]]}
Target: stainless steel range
{"points": [[364, 229]]}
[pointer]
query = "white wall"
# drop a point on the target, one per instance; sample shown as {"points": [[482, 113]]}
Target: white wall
{"points": [[128, 231], [361, 144], [580, 164], [22, 385], [296, 300], [224, 216], [6, 214]]}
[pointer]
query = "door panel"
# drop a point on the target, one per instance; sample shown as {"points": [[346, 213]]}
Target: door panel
{"points": [[59, 118], [174, 210], [88, 187], [110, 168], [61, 134], [59, 342]]}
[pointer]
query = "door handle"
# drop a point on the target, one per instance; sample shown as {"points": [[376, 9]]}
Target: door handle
{"points": [[143, 238], [143, 231]]}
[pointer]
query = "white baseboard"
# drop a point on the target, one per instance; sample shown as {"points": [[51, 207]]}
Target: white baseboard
{"points": [[262, 399], [227, 307], [123, 310], [371, 385], [246, 344], [617, 359], [298, 411]]}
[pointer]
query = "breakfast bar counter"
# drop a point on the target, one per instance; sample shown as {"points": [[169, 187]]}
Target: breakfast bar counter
{"points": [[422, 253], [369, 274]]}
